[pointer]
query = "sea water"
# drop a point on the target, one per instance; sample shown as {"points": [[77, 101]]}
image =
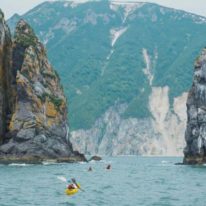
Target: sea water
{"points": [[132, 181]]}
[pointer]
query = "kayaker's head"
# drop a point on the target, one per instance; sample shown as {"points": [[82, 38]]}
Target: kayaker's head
{"points": [[73, 180], [108, 167]]}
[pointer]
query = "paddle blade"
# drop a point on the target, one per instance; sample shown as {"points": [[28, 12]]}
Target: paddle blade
{"points": [[63, 179]]}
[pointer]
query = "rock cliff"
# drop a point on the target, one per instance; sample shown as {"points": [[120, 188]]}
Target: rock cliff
{"points": [[33, 108], [195, 135], [114, 135], [132, 60], [5, 70]]}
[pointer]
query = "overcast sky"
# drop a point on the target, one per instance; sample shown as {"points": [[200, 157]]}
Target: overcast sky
{"points": [[11, 7]]}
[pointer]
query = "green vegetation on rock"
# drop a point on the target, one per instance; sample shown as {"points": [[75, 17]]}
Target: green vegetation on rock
{"points": [[55, 100], [25, 35]]}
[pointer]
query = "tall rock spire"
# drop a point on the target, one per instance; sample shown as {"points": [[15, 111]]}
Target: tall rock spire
{"points": [[195, 135], [36, 127], [5, 76]]}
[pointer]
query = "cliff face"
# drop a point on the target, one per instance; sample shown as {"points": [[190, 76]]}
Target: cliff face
{"points": [[33, 107], [114, 135], [195, 135], [5, 76], [126, 63]]}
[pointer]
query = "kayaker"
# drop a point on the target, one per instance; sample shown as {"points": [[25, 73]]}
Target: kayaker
{"points": [[108, 167], [72, 184], [90, 169], [75, 183]]}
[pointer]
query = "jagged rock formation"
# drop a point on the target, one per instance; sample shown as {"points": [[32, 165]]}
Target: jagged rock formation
{"points": [[5, 69], [134, 52], [195, 135], [33, 109]]}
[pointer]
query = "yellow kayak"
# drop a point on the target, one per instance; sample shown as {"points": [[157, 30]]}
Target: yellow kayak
{"points": [[72, 191]]}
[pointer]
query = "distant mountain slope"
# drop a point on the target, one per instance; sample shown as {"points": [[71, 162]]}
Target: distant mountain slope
{"points": [[110, 54]]}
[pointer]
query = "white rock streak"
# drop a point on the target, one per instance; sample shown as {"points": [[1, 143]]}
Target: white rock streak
{"points": [[116, 33], [48, 36], [169, 125], [161, 135], [129, 7], [78, 2], [66, 25], [107, 61], [148, 69]]}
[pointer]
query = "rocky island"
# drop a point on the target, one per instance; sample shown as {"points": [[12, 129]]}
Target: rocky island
{"points": [[195, 135], [33, 109]]}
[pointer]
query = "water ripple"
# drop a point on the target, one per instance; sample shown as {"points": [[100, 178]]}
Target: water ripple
{"points": [[133, 181]]}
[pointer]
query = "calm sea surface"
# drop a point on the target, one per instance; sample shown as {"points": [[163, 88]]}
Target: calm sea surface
{"points": [[133, 181]]}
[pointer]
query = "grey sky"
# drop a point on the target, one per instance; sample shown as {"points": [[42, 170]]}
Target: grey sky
{"points": [[21, 6]]}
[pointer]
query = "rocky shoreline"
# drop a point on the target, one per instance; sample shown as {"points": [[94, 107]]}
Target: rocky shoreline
{"points": [[32, 160]]}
